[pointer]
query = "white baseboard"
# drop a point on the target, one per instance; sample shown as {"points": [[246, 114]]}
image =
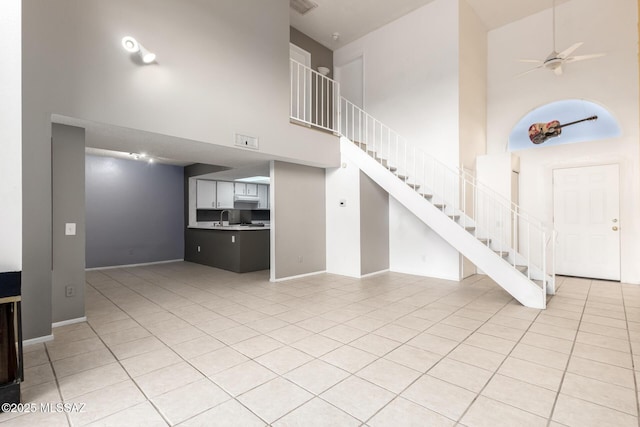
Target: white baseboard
{"points": [[299, 276], [38, 340], [430, 276], [133, 265], [69, 322], [375, 273]]}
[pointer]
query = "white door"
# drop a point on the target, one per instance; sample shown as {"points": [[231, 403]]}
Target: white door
{"points": [[300, 83], [586, 204]]}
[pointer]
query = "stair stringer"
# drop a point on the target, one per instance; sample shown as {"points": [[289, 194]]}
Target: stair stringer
{"points": [[511, 280]]}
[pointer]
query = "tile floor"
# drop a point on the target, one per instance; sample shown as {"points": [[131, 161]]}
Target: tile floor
{"points": [[185, 344]]}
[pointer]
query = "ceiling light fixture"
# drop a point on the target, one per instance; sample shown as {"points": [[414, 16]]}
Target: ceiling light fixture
{"points": [[133, 46], [142, 156]]}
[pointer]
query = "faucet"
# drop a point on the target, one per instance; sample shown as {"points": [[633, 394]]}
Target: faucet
{"points": [[222, 213]]}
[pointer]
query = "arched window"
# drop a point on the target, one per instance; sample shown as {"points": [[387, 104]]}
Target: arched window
{"points": [[563, 122]]}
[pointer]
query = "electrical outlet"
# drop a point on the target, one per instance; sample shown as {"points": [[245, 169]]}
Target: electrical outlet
{"points": [[198, 248], [70, 291]]}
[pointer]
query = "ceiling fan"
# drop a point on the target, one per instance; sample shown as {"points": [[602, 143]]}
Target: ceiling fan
{"points": [[555, 60]]}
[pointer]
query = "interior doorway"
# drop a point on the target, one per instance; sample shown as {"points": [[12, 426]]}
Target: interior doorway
{"points": [[586, 210]]}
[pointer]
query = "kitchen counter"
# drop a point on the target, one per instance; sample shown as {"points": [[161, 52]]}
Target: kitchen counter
{"points": [[215, 226], [235, 248]]}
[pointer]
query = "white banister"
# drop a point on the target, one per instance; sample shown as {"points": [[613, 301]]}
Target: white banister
{"points": [[494, 217], [315, 99], [316, 102]]}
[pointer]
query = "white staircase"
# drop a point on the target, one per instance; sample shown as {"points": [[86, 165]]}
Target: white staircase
{"points": [[508, 245]]}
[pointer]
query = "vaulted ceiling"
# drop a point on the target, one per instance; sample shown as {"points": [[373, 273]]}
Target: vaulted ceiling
{"points": [[353, 19]]}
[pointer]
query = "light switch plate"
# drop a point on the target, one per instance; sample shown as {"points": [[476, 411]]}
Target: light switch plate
{"points": [[70, 229]]}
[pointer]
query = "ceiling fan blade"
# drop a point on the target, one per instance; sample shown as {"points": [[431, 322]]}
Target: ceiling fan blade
{"points": [[565, 53], [534, 61], [529, 71], [583, 57], [558, 70]]}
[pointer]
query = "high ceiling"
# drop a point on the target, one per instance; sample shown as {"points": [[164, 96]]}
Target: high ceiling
{"points": [[353, 19]]}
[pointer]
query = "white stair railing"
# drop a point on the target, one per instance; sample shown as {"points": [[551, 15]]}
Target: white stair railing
{"points": [[315, 99], [523, 241]]}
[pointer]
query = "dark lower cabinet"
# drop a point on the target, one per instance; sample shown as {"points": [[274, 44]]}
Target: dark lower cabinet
{"points": [[238, 251]]}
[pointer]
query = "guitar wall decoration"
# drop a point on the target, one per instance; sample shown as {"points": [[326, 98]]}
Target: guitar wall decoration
{"points": [[541, 132]]}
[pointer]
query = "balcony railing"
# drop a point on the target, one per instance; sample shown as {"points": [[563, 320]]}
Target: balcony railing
{"points": [[315, 99]]}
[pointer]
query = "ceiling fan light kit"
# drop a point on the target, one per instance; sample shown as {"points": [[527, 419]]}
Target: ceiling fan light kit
{"points": [[555, 60]]}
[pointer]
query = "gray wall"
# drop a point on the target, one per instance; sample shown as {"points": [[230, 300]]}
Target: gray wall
{"points": [[299, 218], [67, 147], [134, 212], [321, 56], [374, 226]]}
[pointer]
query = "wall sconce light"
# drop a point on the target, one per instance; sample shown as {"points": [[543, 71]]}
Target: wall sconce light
{"points": [[131, 45]]}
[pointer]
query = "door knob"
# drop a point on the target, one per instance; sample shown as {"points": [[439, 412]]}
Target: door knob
{"points": [[614, 228]]}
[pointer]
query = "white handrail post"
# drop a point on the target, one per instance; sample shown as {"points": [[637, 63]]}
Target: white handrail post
{"points": [[544, 265]]}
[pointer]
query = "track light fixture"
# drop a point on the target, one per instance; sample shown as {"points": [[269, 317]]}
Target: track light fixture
{"points": [[131, 45]]}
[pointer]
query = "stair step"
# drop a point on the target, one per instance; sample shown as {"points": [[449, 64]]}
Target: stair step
{"points": [[440, 205], [412, 185], [427, 196], [392, 168], [484, 240], [538, 282], [470, 229], [522, 268], [502, 254], [402, 177], [454, 217]]}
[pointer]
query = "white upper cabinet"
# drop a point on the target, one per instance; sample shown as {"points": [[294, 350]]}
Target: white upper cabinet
{"points": [[246, 189], [225, 195], [263, 195], [205, 194]]}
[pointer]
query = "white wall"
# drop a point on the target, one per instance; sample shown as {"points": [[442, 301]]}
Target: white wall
{"points": [[473, 86], [11, 137], [343, 223], [416, 249], [611, 81], [411, 76], [411, 80]]}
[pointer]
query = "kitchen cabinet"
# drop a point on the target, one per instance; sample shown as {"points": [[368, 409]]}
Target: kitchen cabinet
{"points": [[263, 196], [238, 251], [225, 195], [246, 189], [205, 194]]}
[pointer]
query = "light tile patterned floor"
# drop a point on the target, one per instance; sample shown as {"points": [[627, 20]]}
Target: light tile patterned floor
{"points": [[191, 345]]}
